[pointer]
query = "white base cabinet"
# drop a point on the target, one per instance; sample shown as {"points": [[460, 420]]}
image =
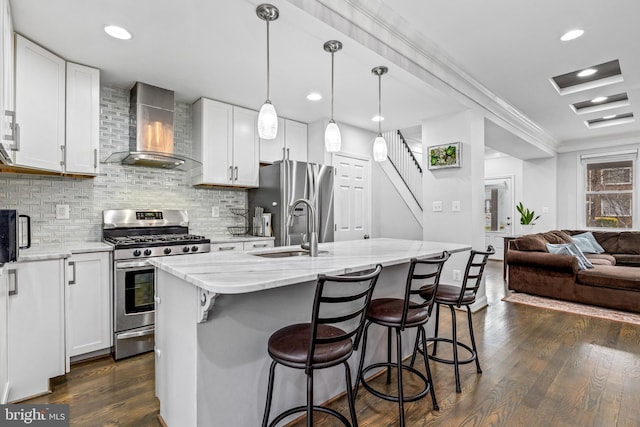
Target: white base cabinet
{"points": [[36, 326], [4, 331], [88, 303]]}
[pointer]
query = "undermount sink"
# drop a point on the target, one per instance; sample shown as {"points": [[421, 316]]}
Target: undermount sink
{"points": [[284, 254]]}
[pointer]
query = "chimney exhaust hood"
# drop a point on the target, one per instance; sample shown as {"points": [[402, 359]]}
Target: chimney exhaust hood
{"points": [[151, 141]]}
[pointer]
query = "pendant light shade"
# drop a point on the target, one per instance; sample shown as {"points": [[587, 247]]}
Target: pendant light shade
{"points": [[267, 118], [379, 144], [267, 121], [332, 138]]}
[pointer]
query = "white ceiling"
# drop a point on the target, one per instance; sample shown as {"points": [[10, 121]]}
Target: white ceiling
{"points": [[217, 49]]}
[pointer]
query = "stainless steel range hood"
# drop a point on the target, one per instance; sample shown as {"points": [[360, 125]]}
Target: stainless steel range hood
{"points": [[151, 141]]}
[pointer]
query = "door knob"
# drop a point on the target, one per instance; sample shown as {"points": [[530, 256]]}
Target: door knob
{"points": [[366, 236]]}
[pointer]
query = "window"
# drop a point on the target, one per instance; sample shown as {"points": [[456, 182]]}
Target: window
{"points": [[609, 188]]}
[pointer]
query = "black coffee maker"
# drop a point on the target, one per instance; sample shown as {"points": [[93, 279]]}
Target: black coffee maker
{"points": [[15, 234]]}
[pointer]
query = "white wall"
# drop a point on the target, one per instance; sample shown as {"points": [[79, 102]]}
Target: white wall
{"points": [[464, 184], [539, 192], [568, 186]]}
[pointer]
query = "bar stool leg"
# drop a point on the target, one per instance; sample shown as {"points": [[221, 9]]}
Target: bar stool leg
{"points": [[350, 396], [455, 349], [473, 341], [422, 332], [399, 364], [310, 399], [388, 355], [267, 409], [435, 333], [361, 364]]}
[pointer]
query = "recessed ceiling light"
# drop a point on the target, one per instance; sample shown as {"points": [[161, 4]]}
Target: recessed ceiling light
{"points": [[572, 34], [314, 96], [117, 32], [587, 72], [377, 118], [598, 99]]}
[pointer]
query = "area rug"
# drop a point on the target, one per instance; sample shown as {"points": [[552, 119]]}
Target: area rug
{"points": [[570, 307]]}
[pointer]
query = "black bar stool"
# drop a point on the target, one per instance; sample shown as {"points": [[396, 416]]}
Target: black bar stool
{"points": [[458, 296], [400, 314], [337, 320]]}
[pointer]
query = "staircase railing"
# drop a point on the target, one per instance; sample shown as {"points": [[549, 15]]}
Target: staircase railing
{"points": [[405, 163]]}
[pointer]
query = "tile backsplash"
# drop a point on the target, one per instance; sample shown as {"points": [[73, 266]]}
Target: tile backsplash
{"points": [[118, 186]]}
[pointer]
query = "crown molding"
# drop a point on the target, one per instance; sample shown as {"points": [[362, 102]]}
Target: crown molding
{"points": [[378, 27]]}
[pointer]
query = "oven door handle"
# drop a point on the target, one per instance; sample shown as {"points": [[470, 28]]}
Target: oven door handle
{"points": [[133, 264], [136, 334]]}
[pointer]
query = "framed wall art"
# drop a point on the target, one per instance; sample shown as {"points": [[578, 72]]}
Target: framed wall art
{"points": [[444, 156]]}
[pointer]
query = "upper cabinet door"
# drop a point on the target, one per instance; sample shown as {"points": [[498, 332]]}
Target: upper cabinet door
{"points": [[40, 106], [83, 119], [246, 147], [271, 149], [295, 134], [212, 142], [7, 134]]}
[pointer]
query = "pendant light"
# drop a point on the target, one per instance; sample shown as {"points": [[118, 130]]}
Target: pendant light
{"points": [[332, 138], [379, 144], [267, 118]]}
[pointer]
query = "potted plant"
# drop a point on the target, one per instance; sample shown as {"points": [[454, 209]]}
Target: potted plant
{"points": [[527, 217]]}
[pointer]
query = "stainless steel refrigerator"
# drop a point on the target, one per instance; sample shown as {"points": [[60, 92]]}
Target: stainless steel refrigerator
{"points": [[285, 181]]}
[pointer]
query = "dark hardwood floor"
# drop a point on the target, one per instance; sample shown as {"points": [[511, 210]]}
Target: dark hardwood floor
{"points": [[540, 368]]}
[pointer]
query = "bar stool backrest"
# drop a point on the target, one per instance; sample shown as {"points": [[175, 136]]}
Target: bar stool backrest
{"points": [[341, 302], [423, 280], [474, 271]]}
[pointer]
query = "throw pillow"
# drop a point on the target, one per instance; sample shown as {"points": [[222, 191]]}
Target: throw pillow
{"points": [[570, 249], [584, 245], [589, 236]]}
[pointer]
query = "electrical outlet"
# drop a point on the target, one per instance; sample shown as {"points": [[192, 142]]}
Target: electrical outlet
{"points": [[215, 211], [457, 275], [62, 211], [437, 206], [455, 206]]}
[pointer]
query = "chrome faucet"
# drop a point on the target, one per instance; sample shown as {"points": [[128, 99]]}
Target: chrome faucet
{"points": [[312, 226]]}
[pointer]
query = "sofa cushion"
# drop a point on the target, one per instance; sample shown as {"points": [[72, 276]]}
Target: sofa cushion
{"points": [[619, 242], [530, 242], [601, 259], [570, 249], [627, 259], [609, 276], [556, 237], [587, 243]]}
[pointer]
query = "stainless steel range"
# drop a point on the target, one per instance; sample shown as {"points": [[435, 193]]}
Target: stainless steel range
{"points": [[137, 235]]}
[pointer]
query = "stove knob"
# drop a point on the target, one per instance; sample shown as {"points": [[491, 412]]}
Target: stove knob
{"points": [[136, 253], [147, 252], [167, 251], [185, 249], [194, 249]]}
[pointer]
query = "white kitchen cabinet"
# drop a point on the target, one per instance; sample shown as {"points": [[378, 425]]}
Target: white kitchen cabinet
{"points": [[36, 326], [225, 141], [4, 334], [88, 303], [257, 244], [40, 106], [292, 138], [82, 140], [7, 107]]}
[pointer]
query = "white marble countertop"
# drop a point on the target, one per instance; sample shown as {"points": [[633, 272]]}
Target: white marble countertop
{"points": [[62, 250], [243, 272]]}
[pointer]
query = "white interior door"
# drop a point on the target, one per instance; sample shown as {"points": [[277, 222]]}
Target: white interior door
{"points": [[498, 212], [352, 189]]}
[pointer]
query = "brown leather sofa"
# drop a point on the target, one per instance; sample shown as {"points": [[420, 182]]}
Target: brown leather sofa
{"points": [[613, 282]]}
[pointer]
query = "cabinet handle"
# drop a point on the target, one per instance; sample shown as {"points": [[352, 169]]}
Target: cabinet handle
{"points": [[13, 290], [12, 127], [226, 248], [72, 264], [62, 162], [230, 173], [264, 245], [236, 169], [16, 129], [95, 158], [287, 154]]}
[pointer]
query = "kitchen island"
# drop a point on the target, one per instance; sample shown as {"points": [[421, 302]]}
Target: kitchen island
{"points": [[215, 313]]}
